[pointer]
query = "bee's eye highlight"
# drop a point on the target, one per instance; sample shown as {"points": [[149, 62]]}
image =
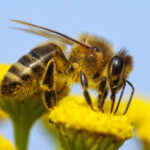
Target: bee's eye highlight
{"points": [[117, 65]]}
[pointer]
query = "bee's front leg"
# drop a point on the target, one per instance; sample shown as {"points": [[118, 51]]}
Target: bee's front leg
{"points": [[84, 84], [102, 93], [48, 85]]}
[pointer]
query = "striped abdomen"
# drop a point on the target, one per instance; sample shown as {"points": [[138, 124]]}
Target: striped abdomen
{"points": [[23, 77]]}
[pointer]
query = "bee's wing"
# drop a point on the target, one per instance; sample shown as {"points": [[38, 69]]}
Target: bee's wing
{"points": [[44, 32], [49, 33]]}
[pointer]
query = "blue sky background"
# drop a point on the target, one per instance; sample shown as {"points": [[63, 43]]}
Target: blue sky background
{"points": [[123, 23]]}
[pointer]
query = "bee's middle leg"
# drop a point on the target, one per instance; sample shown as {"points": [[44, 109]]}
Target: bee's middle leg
{"points": [[102, 93], [84, 84], [113, 98], [48, 86]]}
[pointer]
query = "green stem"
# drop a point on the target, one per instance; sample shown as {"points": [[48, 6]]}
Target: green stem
{"points": [[21, 133], [23, 114], [146, 146]]}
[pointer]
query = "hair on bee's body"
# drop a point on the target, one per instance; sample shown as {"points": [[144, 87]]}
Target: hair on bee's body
{"points": [[93, 61], [46, 69]]}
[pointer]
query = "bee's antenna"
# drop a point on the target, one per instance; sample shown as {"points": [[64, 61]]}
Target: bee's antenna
{"points": [[49, 30], [131, 96], [124, 85]]}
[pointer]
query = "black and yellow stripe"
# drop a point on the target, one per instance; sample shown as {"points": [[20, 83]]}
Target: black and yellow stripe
{"points": [[31, 65]]}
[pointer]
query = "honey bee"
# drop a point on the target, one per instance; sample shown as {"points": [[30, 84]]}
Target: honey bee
{"points": [[91, 62]]}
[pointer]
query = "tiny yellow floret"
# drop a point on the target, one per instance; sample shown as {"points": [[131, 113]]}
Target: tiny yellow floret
{"points": [[73, 112]]}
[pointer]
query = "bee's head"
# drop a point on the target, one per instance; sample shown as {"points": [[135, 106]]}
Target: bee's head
{"points": [[119, 68]]}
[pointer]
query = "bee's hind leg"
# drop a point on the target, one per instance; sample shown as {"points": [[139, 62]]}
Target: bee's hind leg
{"points": [[48, 85], [84, 84]]}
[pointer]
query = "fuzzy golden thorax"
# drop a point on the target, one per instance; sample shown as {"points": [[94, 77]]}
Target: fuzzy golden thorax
{"points": [[92, 62], [96, 62]]}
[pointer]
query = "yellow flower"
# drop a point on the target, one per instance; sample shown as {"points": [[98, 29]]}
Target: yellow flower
{"points": [[138, 111], [5, 144], [82, 128], [140, 114], [143, 133]]}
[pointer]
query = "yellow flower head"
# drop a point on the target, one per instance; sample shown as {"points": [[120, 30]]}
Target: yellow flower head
{"points": [[5, 144], [140, 114], [72, 113], [143, 132], [139, 111]]}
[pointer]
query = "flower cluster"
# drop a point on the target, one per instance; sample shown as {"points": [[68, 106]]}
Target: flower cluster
{"points": [[140, 113]]}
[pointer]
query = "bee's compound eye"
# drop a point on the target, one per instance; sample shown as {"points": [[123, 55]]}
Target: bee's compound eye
{"points": [[117, 65]]}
